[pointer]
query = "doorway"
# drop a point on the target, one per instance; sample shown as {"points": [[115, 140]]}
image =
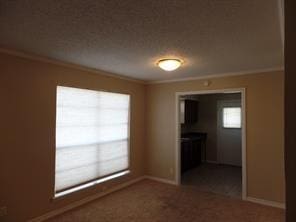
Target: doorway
{"points": [[210, 152]]}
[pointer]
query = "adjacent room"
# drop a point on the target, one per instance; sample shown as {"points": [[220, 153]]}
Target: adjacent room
{"points": [[143, 111], [211, 142]]}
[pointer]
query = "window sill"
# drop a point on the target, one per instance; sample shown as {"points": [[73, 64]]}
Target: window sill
{"points": [[90, 184]]}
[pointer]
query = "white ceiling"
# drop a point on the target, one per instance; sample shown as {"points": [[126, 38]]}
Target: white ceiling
{"points": [[127, 37]]}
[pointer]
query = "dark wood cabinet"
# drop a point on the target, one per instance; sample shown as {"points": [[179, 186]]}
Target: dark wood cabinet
{"points": [[190, 154], [189, 111]]}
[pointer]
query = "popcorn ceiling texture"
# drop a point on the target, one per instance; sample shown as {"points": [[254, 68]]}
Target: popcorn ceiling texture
{"points": [[127, 37]]}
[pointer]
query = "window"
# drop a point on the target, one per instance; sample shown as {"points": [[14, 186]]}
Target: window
{"points": [[232, 117], [92, 138]]}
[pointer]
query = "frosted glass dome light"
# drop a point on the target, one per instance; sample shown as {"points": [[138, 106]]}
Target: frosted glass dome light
{"points": [[169, 64]]}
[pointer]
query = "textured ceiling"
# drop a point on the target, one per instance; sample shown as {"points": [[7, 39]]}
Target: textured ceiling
{"points": [[126, 37]]}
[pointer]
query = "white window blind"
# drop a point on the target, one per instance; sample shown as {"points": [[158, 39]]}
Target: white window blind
{"points": [[92, 136], [232, 117]]}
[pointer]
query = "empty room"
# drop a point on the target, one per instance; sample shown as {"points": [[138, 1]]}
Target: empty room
{"points": [[147, 111]]}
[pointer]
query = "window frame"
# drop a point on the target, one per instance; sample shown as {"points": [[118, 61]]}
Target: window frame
{"points": [[226, 107], [99, 180]]}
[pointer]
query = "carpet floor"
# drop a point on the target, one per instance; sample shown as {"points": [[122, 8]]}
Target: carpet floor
{"points": [[150, 201]]}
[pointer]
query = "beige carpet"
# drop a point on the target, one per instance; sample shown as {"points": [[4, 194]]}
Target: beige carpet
{"points": [[149, 201]]}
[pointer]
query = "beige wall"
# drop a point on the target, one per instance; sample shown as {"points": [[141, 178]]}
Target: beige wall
{"points": [[265, 129], [27, 129]]}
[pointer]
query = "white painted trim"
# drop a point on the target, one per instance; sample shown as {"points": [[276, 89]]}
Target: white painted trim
{"points": [[126, 184], [177, 134], [96, 196], [244, 144], [84, 201], [250, 199], [104, 73], [266, 202], [172, 182], [67, 64], [281, 8], [90, 184], [219, 75], [177, 140]]}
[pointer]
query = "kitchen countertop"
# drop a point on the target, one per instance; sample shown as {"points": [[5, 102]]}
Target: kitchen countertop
{"points": [[193, 136]]}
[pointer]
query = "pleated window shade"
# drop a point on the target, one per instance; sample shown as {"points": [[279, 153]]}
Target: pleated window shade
{"points": [[92, 136], [232, 117]]}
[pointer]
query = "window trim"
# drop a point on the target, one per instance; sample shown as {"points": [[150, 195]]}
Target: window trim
{"points": [[102, 179], [90, 184]]}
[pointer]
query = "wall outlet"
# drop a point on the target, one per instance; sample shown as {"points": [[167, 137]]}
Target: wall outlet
{"points": [[3, 211]]}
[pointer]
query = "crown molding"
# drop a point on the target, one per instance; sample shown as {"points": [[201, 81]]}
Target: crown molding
{"points": [[66, 64], [104, 73], [219, 75]]}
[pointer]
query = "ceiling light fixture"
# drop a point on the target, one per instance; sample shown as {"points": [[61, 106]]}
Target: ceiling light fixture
{"points": [[169, 64]]}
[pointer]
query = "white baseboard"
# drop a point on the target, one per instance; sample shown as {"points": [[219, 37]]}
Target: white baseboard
{"points": [[266, 202], [128, 183], [96, 196], [172, 182], [251, 199], [84, 201]]}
